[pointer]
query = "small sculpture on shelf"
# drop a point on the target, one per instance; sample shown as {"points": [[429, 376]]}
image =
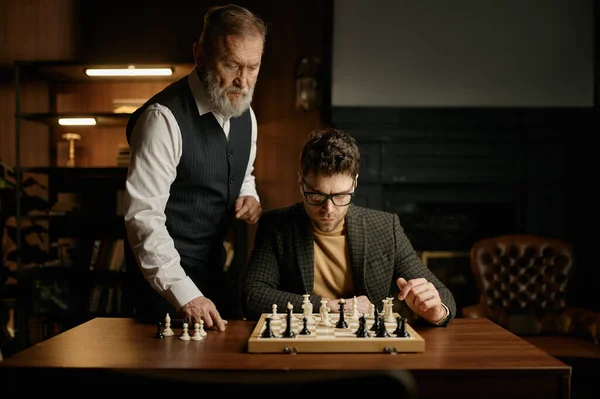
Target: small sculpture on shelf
{"points": [[71, 137]]}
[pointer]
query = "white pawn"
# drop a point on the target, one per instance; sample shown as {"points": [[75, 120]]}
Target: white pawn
{"points": [[202, 330], [274, 315], [197, 333], [167, 331], [185, 336]]}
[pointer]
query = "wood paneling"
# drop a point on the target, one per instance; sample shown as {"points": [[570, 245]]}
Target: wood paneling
{"points": [[32, 30], [295, 30]]}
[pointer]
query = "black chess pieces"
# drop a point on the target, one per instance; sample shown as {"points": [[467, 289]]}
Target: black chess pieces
{"points": [[375, 326], [400, 330], [304, 330], [159, 333], [267, 332], [341, 323], [289, 333], [362, 331], [382, 332]]}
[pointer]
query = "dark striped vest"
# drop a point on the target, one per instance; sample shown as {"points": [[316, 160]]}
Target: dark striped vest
{"points": [[210, 173]]}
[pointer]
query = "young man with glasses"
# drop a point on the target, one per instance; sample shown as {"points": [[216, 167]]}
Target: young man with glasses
{"points": [[329, 248]]}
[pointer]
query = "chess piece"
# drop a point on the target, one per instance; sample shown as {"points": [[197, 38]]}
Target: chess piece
{"points": [[371, 314], [304, 330], [197, 333], [355, 313], [289, 333], [389, 310], [274, 314], [185, 336], [375, 326], [71, 137], [159, 333], [267, 332], [324, 314], [307, 308], [167, 331], [400, 330], [362, 331], [341, 323], [202, 330], [382, 331]]}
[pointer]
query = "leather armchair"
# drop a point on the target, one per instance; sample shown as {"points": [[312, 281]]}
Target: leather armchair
{"points": [[522, 280]]}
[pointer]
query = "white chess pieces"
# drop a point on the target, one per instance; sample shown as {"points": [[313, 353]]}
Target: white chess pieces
{"points": [[355, 314], [71, 137], [324, 314], [185, 336], [202, 330], [274, 315], [388, 309], [307, 308], [167, 331], [197, 333], [371, 312]]}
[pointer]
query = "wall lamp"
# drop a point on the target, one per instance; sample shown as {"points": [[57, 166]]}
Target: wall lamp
{"points": [[129, 71], [76, 121]]}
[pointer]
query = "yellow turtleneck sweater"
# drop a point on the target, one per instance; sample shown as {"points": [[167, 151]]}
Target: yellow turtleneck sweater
{"points": [[333, 275]]}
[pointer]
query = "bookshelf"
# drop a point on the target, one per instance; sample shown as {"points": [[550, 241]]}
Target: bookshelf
{"points": [[68, 222]]}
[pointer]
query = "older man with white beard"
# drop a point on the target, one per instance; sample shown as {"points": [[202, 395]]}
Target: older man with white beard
{"points": [[193, 147]]}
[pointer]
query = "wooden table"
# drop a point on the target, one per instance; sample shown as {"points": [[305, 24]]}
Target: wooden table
{"points": [[469, 358]]}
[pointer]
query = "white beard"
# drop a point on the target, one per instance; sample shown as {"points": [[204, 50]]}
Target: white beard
{"points": [[224, 106]]}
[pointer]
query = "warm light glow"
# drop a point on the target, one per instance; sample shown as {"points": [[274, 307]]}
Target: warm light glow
{"points": [[76, 121], [129, 71]]}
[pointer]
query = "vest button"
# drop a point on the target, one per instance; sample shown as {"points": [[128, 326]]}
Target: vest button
{"points": [[230, 154], [230, 181]]}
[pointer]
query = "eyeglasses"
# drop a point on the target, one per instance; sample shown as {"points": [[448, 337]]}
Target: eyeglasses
{"points": [[319, 199]]}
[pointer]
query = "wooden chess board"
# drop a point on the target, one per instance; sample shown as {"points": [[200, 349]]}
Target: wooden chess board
{"points": [[324, 339]]}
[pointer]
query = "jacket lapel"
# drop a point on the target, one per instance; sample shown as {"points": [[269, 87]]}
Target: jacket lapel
{"points": [[357, 246], [304, 243]]}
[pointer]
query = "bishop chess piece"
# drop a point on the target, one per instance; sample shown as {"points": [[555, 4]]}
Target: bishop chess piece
{"points": [[341, 323], [355, 313], [267, 332], [167, 331]]}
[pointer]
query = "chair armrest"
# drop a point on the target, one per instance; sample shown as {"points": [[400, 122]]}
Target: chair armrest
{"points": [[581, 322], [473, 312]]}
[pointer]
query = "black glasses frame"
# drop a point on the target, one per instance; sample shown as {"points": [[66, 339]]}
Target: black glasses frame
{"points": [[327, 196]]}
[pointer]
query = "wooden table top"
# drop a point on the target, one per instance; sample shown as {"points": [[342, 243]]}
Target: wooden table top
{"points": [[120, 343]]}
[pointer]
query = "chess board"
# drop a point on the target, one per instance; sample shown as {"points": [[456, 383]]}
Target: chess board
{"points": [[324, 339]]}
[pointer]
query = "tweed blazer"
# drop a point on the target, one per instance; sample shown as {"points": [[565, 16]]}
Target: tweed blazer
{"points": [[280, 268]]}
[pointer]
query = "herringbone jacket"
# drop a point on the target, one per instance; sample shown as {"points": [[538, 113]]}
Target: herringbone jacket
{"points": [[281, 265]]}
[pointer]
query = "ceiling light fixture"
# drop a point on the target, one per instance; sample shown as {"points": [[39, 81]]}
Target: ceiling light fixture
{"points": [[76, 121], [129, 71]]}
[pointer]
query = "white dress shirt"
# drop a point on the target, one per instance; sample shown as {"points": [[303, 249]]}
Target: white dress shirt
{"points": [[156, 148]]}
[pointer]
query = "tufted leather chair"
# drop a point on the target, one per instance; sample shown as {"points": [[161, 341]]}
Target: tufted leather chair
{"points": [[522, 281]]}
